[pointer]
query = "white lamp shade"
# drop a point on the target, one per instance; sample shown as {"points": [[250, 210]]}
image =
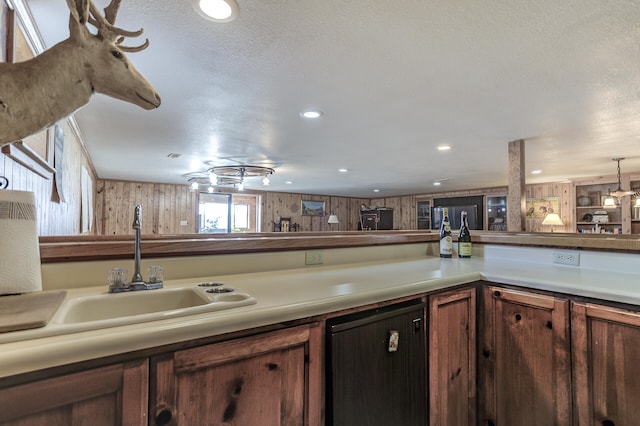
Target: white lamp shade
{"points": [[552, 219], [333, 219], [19, 245], [609, 203]]}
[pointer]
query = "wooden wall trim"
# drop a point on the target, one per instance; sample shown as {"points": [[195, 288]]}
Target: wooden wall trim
{"points": [[62, 249]]}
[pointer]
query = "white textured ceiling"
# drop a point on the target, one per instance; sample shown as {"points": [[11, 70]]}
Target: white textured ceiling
{"points": [[395, 79]]}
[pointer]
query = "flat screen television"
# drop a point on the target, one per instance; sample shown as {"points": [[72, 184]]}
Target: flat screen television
{"points": [[454, 216]]}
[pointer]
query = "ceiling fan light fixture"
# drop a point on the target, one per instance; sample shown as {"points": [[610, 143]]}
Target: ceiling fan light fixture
{"points": [[231, 175], [218, 10]]}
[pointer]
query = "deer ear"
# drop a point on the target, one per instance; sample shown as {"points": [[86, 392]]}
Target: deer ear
{"points": [[79, 10]]}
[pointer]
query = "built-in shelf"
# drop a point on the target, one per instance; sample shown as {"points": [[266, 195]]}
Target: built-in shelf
{"points": [[594, 194], [600, 223]]}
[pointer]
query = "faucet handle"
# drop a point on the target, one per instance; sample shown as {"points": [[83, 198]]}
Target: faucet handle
{"points": [[118, 280], [155, 274]]}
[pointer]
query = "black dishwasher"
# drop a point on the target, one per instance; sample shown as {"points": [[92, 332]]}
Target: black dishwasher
{"points": [[376, 367]]}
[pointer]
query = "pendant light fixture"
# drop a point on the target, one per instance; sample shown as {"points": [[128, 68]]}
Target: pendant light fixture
{"points": [[610, 201]]}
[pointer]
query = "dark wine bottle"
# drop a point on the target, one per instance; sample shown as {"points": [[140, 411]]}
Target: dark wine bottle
{"points": [[446, 242], [464, 238]]}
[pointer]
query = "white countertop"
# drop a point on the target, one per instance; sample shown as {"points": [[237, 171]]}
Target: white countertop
{"points": [[300, 293]]}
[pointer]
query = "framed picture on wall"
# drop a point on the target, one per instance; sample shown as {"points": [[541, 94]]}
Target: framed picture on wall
{"points": [[538, 208], [312, 208]]}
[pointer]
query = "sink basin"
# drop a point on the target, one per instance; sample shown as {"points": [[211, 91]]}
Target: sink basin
{"points": [[148, 305]]}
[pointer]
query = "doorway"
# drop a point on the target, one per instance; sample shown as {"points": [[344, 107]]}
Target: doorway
{"points": [[221, 213]]}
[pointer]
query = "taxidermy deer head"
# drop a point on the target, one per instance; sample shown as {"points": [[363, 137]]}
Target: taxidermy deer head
{"points": [[36, 93]]}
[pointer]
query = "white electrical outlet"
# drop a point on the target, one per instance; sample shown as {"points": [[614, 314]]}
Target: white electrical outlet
{"points": [[566, 258], [313, 257]]}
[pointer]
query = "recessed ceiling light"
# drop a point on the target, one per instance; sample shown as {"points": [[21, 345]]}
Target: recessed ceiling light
{"points": [[444, 147], [343, 170], [376, 190], [218, 10], [536, 172], [311, 113], [436, 183], [289, 182]]}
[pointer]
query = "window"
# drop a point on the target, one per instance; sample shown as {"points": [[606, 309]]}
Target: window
{"points": [[226, 213], [214, 213]]}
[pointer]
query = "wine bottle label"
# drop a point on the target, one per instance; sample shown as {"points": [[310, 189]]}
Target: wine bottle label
{"points": [[464, 249], [446, 246]]}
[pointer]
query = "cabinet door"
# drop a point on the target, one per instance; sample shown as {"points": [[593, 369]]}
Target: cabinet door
{"points": [[524, 359], [270, 379], [606, 365], [113, 395], [452, 358], [376, 367]]}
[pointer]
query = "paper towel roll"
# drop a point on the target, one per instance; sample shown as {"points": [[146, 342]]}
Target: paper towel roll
{"points": [[19, 246]]}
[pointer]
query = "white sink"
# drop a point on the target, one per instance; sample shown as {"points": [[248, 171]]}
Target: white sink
{"points": [[110, 309]]}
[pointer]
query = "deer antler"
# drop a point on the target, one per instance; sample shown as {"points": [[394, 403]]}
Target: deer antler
{"points": [[111, 11], [108, 31]]}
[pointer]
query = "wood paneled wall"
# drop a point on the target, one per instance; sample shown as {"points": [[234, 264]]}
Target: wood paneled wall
{"points": [[54, 218], [565, 192], [165, 208], [404, 210], [282, 204]]}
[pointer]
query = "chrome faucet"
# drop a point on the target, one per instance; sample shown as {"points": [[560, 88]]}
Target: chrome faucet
{"points": [[137, 282], [137, 225]]}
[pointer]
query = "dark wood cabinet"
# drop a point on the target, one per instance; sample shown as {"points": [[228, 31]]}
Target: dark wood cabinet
{"points": [[112, 395], [452, 358], [376, 219], [524, 359], [606, 365], [271, 379]]}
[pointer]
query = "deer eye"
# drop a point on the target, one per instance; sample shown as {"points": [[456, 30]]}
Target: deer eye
{"points": [[116, 54]]}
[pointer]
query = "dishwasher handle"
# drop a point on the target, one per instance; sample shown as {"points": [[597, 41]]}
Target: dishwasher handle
{"points": [[393, 340]]}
